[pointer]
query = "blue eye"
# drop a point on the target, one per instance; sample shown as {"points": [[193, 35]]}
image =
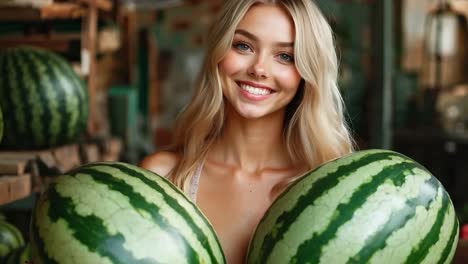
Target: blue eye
{"points": [[241, 46], [286, 57]]}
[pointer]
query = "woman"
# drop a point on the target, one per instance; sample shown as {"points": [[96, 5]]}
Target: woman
{"points": [[265, 110]]}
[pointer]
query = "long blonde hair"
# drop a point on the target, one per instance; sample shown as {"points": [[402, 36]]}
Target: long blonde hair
{"points": [[314, 131]]}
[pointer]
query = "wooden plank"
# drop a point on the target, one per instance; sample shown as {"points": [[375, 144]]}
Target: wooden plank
{"points": [[89, 59], [20, 187], [113, 149], [14, 188], [4, 192], [105, 5], [53, 11], [61, 158], [26, 3], [19, 14], [128, 22], [56, 45], [12, 166], [52, 37], [92, 153], [62, 11], [66, 158], [58, 10]]}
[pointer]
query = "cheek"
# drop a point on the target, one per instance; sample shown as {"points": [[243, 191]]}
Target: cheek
{"points": [[230, 64], [289, 78]]}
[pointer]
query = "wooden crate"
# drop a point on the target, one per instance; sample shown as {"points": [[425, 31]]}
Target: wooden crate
{"points": [[14, 187], [60, 159], [25, 172], [27, 3]]}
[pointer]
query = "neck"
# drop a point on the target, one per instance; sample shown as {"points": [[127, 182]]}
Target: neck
{"points": [[252, 144]]}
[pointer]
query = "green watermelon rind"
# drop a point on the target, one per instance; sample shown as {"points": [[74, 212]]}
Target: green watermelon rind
{"points": [[83, 208], [44, 103], [315, 219], [10, 239]]}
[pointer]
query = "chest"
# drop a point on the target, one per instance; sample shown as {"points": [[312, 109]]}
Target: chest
{"points": [[234, 204]]}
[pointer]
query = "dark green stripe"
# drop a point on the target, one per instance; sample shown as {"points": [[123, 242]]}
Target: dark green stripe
{"points": [[82, 95], [309, 251], [59, 96], [319, 188], [19, 256], [201, 237], [34, 69], [68, 95], [24, 137], [91, 231], [38, 247], [451, 245], [420, 251], [378, 241], [32, 84], [139, 202], [37, 74], [5, 98], [74, 96]]}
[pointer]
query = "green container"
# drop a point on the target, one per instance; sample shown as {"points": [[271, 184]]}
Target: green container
{"points": [[123, 115]]}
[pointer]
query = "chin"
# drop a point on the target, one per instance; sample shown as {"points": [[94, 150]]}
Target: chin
{"points": [[253, 114], [248, 115]]}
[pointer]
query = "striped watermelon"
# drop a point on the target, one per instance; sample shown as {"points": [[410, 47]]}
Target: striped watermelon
{"points": [[118, 213], [44, 102], [10, 238], [21, 255], [373, 206]]}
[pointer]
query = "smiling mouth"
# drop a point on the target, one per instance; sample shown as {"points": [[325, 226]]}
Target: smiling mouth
{"points": [[255, 90]]}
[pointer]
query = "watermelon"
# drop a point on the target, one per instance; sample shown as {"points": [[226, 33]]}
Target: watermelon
{"points": [[44, 102], [373, 206], [112, 212], [10, 238], [21, 255]]}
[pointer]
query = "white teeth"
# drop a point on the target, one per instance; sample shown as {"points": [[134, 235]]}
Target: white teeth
{"points": [[255, 90]]}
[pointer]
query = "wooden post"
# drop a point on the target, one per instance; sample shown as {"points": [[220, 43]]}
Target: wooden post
{"points": [[154, 91], [89, 62], [128, 21]]}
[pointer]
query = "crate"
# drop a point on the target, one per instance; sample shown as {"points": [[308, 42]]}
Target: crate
{"points": [[25, 172], [14, 187], [26, 3]]}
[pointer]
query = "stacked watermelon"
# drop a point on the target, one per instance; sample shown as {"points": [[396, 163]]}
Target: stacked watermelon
{"points": [[20, 255], [11, 239], [44, 102], [119, 213], [373, 206]]}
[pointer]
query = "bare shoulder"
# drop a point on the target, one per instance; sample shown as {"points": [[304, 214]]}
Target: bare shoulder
{"points": [[160, 162]]}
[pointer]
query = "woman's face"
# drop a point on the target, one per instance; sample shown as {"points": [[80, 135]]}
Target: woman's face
{"points": [[259, 73]]}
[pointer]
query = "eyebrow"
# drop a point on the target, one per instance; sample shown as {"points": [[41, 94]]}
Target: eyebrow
{"points": [[255, 38]]}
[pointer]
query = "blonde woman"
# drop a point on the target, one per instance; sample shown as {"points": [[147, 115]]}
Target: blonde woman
{"points": [[265, 110]]}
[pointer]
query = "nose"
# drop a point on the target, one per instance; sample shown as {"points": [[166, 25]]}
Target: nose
{"points": [[257, 68]]}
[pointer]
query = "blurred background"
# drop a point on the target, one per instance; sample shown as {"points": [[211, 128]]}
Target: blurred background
{"points": [[403, 76]]}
